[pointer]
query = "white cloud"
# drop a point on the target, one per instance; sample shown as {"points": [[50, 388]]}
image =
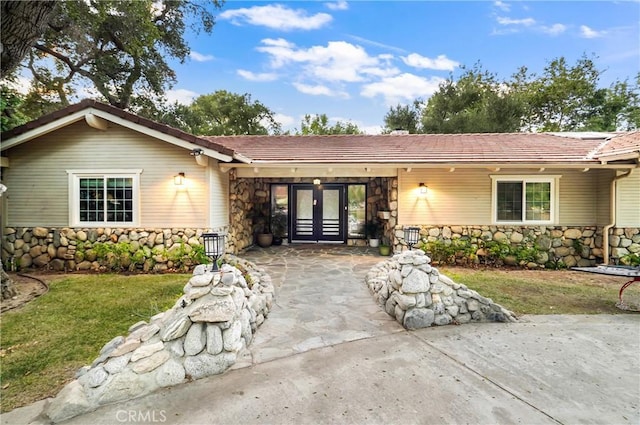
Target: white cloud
{"points": [[199, 57], [338, 61], [284, 120], [554, 29], [441, 63], [181, 96], [527, 22], [261, 77], [338, 5], [502, 5], [277, 17], [586, 32], [319, 90], [402, 88], [377, 44]]}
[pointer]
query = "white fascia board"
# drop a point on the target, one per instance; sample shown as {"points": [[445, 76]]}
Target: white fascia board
{"points": [[44, 129]]}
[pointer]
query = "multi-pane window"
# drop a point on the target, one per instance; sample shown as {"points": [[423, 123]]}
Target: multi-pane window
{"points": [[106, 199], [524, 200]]}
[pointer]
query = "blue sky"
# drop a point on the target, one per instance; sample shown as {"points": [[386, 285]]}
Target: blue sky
{"points": [[352, 60]]}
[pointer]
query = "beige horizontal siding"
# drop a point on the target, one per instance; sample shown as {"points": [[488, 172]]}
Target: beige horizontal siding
{"points": [[459, 197], [463, 197], [603, 189], [219, 200], [38, 182], [628, 201]]}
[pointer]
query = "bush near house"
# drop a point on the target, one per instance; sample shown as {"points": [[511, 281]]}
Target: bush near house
{"points": [[491, 253]]}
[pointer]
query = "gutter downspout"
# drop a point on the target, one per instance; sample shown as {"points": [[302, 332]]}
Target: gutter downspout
{"points": [[612, 215]]}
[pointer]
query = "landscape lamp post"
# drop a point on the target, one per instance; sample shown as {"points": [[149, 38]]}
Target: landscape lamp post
{"points": [[411, 236], [213, 247]]}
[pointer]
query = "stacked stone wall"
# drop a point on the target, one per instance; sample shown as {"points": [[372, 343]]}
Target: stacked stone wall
{"points": [[69, 249], [572, 245], [413, 292], [204, 334]]}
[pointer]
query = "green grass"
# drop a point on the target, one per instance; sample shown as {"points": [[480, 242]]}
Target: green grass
{"points": [[47, 340], [546, 292]]}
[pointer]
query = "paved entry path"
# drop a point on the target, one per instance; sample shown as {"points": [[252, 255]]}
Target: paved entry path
{"points": [[323, 303]]}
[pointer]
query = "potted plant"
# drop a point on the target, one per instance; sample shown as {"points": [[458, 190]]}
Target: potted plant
{"points": [[279, 225], [374, 232], [264, 237], [385, 247]]}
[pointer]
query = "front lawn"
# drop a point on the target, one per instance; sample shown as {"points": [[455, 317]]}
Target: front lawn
{"points": [[47, 340], [546, 292]]}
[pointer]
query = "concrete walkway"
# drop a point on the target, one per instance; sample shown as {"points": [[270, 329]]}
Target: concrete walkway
{"points": [[328, 354]]}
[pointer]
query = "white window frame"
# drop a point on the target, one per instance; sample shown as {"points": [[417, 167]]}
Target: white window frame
{"points": [[74, 192], [554, 181]]}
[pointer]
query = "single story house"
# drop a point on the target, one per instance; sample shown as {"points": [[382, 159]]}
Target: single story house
{"points": [[94, 173]]}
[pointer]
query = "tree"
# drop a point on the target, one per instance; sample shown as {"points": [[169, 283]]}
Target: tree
{"points": [[23, 22], [222, 113], [319, 125], [476, 103], [404, 117], [562, 98], [119, 47], [615, 108]]}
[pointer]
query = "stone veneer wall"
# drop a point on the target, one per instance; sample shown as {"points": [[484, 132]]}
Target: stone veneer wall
{"points": [[573, 245], [251, 198], [67, 249], [202, 335]]}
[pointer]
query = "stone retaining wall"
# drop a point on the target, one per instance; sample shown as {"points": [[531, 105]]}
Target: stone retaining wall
{"points": [[67, 249], [574, 246], [202, 335], [409, 289]]}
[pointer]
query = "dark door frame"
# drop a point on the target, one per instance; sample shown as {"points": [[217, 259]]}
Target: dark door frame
{"points": [[318, 229]]}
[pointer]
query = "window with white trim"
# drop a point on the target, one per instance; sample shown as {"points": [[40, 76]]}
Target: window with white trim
{"points": [[524, 199], [104, 198]]}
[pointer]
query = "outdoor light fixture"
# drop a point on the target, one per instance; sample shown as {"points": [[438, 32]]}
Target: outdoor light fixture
{"points": [[316, 182], [178, 179], [422, 188], [196, 152], [411, 236], [213, 248]]}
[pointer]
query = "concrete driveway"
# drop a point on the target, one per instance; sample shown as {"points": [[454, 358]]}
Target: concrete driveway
{"points": [[328, 354]]}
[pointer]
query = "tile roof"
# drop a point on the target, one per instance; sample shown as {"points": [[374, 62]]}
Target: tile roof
{"points": [[628, 143], [488, 148], [413, 148]]}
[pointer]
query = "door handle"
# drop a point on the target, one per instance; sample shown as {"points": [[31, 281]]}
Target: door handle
{"points": [[315, 202]]}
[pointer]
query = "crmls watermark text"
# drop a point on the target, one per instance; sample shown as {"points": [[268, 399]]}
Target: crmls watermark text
{"points": [[139, 416]]}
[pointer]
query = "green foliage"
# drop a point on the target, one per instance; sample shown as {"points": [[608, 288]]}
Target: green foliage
{"points": [[447, 251], [122, 256], [476, 103], [10, 108], [319, 125], [631, 259], [222, 113], [120, 47], [404, 117]]}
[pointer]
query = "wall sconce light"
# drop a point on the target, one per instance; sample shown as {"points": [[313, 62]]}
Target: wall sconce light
{"points": [[422, 189], [317, 182], [178, 179], [411, 236]]}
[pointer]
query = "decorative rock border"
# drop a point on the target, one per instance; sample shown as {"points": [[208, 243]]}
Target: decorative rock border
{"points": [[418, 296], [202, 335]]}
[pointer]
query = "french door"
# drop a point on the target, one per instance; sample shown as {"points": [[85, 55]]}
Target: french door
{"points": [[318, 213]]}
